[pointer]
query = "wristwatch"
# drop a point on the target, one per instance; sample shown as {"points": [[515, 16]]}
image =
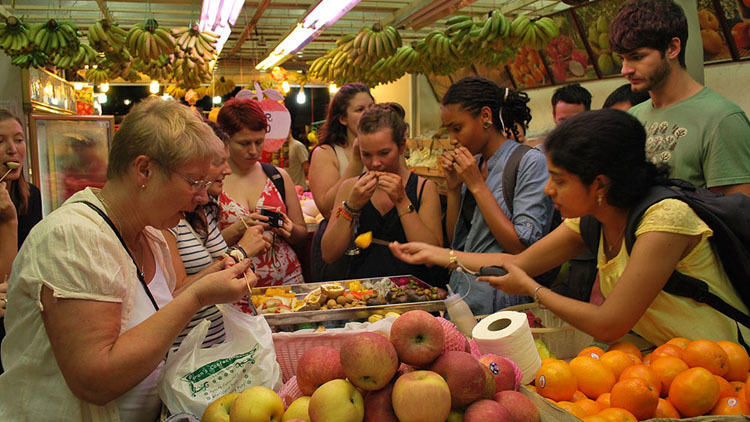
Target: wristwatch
{"points": [[408, 209]]}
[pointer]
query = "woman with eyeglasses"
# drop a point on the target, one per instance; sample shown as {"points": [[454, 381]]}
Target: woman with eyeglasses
{"points": [[249, 193], [92, 312]]}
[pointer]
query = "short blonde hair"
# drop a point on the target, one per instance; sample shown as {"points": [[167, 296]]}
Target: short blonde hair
{"points": [[165, 131]]}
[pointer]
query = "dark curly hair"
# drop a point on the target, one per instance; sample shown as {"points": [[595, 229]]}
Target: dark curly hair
{"points": [[625, 93], [239, 114], [474, 92], [384, 116], [572, 94], [608, 142], [649, 23], [332, 132]]}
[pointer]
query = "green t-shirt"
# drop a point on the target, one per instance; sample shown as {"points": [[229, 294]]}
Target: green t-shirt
{"points": [[705, 139]]}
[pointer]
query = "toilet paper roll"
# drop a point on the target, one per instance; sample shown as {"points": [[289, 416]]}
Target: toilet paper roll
{"points": [[507, 333]]}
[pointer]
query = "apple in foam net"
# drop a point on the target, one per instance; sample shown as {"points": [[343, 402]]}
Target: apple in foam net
{"points": [[369, 360], [421, 396], [464, 374], [502, 369], [378, 407], [337, 400], [487, 411], [257, 404], [418, 338], [521, 408], [298, 410], [218, 410], [317, 366]]}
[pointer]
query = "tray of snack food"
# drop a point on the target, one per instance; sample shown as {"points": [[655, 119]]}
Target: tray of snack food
{"points": [[346, 299]]}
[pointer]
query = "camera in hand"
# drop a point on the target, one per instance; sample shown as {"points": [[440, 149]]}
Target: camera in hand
{"points": [[493, 270], [275, 219]]}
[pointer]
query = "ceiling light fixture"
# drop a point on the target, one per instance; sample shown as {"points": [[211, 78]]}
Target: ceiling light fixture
{"points": [[154, 87], [219, 16], [301, 97], [325, 14]]}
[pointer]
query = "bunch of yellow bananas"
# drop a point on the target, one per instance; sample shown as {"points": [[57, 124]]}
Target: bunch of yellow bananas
{"points": [[533, 33], [148, 40], [107, 36], [222, 86]]}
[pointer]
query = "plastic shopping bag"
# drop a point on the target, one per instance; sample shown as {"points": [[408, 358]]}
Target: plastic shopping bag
{"points": [[193, 377]]}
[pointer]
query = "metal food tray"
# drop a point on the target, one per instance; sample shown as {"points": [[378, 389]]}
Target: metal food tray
{"points": [[360, 312]]}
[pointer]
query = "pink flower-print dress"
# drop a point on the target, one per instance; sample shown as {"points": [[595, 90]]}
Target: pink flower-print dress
{"points": [[279, 265]]}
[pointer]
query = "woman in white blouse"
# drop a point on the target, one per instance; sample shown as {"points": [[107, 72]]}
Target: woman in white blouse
{"points": [[90, 312]]}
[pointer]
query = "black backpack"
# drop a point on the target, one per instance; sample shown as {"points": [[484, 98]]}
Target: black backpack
{"points": [[729, 218], [275, 177]]}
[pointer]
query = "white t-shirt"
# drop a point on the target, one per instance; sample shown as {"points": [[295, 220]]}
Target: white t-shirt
{"points": [[77, 255]]}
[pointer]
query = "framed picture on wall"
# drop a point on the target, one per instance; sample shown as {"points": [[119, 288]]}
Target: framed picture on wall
{"points": [[68, 154], [496, 74]]}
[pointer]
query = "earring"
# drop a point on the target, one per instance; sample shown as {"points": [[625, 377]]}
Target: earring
{"points": [[143, 186], [486, 125], [599, 200]]}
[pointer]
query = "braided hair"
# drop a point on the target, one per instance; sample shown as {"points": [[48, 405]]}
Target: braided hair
{"points": [[508, 106]]}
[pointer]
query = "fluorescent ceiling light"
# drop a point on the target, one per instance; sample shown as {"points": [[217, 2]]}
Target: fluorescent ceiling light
{"points": [[219, 16], [325, 14]]}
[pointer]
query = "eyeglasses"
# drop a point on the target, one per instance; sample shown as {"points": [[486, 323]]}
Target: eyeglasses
{"points": [[196, 185]]}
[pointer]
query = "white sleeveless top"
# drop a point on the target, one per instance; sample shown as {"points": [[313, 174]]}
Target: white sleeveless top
{"points": [[342, 157], [141, 403]]}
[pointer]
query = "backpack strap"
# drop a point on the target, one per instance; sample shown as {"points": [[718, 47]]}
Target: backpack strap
{"points": [[276, 178], [510, 174], [590, 229]]}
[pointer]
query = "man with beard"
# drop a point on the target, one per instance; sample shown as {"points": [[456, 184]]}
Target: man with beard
{"points": [[703, 137]]}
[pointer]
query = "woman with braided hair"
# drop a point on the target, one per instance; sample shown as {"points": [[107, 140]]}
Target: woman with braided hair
{"points": [[477, 114]]}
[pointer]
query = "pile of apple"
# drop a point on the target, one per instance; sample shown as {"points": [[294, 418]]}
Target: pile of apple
{"points": [[407, 377]]}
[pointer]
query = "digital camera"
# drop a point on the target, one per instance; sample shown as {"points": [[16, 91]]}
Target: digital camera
{"points": [[275, 219]]}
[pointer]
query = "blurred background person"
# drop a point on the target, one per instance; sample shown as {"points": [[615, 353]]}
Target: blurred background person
{"points": [[299, 162], [624, 97], [569, 100]]}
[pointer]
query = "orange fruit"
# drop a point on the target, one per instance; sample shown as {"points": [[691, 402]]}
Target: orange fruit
{"points": [[594, 377], [593, 351], [555, 380], [594, 418], [739, 361], [694, 392], [666, 350], [706, 354], [725, 388], [666, 368], [747, 388], [548, 360], [614, 414], [647, 359], [578, 395], [604, 401], [635, 396], [627, 347], [572, 408], [589, 406], [665, 409], [728, 406], [682, 342], [617, 360], [645, 373]]}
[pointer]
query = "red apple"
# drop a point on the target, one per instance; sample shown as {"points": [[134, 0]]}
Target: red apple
{"points": [[369, 360], [464, 374], [336, 400], [503, 369], [421, 396], [378, 407], [521, 408], [317, 366], [257, 404], [418, 338], [218, 410], [487, 411]]}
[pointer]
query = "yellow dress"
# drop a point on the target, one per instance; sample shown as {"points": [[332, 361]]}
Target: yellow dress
{"points": [[668, 315]]}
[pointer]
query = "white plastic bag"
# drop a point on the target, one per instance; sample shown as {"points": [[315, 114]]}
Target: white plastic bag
{"points": [[193, 377]]}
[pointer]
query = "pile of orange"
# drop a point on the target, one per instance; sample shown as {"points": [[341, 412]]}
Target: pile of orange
{"points": [[681, 378]]}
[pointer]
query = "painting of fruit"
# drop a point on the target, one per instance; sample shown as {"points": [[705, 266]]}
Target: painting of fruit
{"points": [[715, 47], [497, 74], [566, 56], [527, 69], [595, 20], [737, 18]]}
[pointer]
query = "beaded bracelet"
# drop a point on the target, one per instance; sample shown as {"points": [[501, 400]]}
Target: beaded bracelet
{"points": [[342, 212], [353, 212]]}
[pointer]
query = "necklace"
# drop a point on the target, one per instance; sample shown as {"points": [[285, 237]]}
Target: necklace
{"points": [[109, 211], [612, 246]]}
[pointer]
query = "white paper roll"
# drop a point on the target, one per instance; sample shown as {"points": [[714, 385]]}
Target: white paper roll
{"points": [[507, 333]]}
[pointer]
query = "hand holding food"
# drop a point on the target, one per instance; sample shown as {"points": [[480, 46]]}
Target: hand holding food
{"points": [[466, 167], [363, 189], [7, 209], [419, 253], [254, 242], [393, 186], [12, 165], [452, 180], [225, 286]]}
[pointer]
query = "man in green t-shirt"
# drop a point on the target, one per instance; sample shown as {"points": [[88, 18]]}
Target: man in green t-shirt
{"points": [[704, 137]]}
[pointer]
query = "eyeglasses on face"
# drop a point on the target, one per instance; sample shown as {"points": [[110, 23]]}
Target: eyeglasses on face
{"points": [[196, 185]]}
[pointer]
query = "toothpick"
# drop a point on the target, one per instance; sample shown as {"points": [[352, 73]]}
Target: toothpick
{"points": [[243, 223]]}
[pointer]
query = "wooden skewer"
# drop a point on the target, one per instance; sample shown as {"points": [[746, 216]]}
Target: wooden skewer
{"points": [[243, 223]]}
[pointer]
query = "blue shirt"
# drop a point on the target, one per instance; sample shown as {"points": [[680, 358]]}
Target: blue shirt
{"points": [[532, 216]]}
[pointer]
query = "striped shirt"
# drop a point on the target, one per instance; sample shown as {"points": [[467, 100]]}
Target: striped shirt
{"points": [[197, 253]]}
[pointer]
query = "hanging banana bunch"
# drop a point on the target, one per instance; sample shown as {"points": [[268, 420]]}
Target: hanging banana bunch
{"points": [[148, 41], [97, 75], [222, 86], [175, 91], [194, 53], [83, 56], [14, 36], [533, 33], [159, 69], [373, 43], [107, 36], [53, 37], [35, 58]]}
